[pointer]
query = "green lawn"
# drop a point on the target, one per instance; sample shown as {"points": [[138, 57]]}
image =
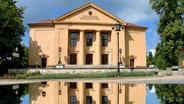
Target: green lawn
{"points": [[90, 75], [38, 75]]}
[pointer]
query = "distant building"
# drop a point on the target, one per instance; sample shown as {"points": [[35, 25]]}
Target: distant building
{"points": [[86, 93], [181, 57], [85, 36]]}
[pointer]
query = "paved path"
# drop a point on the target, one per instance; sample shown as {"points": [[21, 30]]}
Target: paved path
{"points": [[178, 79]]}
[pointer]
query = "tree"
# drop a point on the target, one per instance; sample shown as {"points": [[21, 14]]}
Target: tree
{"points": [[150, 59], [22, 60], [169, 93], [170, 30], [8, 95], [11, 28]]}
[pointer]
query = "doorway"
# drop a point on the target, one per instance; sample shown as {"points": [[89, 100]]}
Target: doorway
{"points": [[44, 62], [89, 58], [73, 58], [105, 59], [131, 63]]}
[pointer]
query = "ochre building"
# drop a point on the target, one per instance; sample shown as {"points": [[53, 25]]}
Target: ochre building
{"points": [[86, 93], [85, 36]]}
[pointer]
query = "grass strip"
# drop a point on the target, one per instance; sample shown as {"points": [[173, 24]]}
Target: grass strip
{"points": [[90, 75]]}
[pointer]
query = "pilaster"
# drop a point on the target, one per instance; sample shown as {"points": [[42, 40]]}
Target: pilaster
{"points": [[81, 93], [81, 58], [98, 49]]}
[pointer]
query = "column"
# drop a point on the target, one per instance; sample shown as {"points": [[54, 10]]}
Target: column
{"points": [[81, 58], [98, 93], [98, 48], [81, 93]]}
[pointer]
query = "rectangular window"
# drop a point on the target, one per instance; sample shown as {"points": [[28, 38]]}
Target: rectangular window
{"points": [[73, 38], [104, 100], [73, 58], [89, 58], [104, 39], [73, 85], [89, 85], [89, 100], [73, 100], [104, 59], [104, 85], [89, 38]]}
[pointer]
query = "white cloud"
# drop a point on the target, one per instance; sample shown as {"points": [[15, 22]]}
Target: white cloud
{"points": [[153, 90], [137, 11], [153, 51]]}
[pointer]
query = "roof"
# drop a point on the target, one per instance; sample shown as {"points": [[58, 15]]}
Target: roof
{"points": [[52, 21], [131, 25]]}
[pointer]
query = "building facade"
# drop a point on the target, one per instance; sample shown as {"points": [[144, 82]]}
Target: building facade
{"points": [[85, 36], [86, 93], [181, 57]]}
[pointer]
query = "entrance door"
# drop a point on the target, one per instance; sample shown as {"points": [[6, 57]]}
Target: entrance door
{"points": [[89, 58], [104, 59], [73, 58], [44, 62], [132, 63]]}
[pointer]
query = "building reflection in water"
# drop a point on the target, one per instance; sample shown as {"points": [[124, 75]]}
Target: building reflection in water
{"points": [[86, 93]]}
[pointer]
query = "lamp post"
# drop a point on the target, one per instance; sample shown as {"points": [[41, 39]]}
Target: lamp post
{"points": [[118, 29], [59, 50], [120, 51]]}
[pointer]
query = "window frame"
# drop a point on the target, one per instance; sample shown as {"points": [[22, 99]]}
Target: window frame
{"points": [[89, 99], [89, 85], [73, 99], [104, 85], [105, 39], [104, 99], [73, 38], [73, 85], [89, 38]]}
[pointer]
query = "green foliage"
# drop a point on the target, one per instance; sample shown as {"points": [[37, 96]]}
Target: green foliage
{"points": [[9, 95], [19, 75], [150, 59], [170, 30], [11, 28], [22, 60], [90, 75], [11, 32], [169, 94]]}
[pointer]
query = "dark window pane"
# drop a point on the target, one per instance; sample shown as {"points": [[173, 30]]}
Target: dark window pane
{"points": [[73, 85], [89, 100], [89, 85], [104, 85], [73, 100], [104, 100], [105, 39], [89, 37], [73, 39]]}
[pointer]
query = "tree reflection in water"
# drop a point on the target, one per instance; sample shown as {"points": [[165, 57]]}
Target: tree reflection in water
{"points": [[170, 93], [10, 95]]}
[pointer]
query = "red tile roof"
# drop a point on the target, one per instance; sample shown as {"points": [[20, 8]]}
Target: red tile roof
{"points": [[134, 25], [45, 21]]}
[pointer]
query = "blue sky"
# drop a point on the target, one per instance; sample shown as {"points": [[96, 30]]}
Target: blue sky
{"points": [[134, 11]]}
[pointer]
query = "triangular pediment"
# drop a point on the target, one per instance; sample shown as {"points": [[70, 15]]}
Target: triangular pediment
{"points": [[89, 13]]}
